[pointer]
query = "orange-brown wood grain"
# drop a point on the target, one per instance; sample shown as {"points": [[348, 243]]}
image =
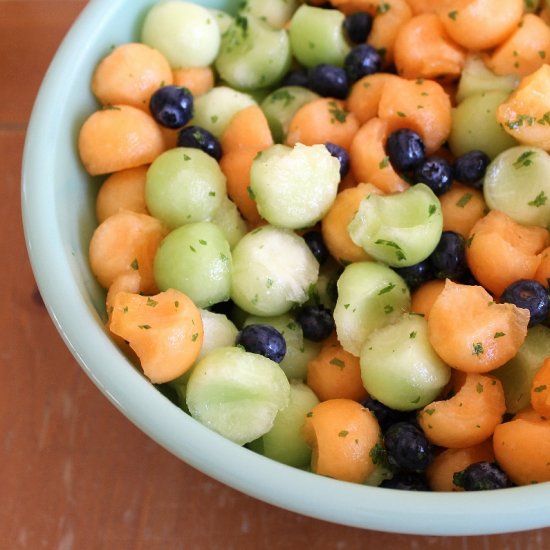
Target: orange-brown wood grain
{"points": [[74, 473]]}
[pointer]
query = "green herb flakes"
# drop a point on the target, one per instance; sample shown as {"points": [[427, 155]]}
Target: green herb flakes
{"points": [[464, 200], [525, 159], [384, 163], [386, 289], [539, 200], [477, 349], [337, 362]]}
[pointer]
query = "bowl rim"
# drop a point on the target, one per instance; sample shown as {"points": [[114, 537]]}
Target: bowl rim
{"points": [[348, 504]]}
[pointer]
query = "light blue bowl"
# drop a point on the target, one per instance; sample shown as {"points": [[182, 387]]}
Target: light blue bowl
{"points": [[58, 215]]}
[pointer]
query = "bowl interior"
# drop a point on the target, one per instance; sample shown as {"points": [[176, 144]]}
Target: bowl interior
{"points": [[58, 215]]}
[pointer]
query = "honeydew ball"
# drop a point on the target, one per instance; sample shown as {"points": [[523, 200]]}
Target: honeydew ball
{"points": [[184, 185], [253, 55], [401, 229], [285, 441], [400, 368], [186, 34], [219, 331], [214, 109], [294, 187], [273, 270], [370, 295], [237, 393], [317, 36], [517, 183], [196, 260]]}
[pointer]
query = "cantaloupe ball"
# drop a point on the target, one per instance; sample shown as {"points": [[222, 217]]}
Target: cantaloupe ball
{"points": [[118, 138], [130, 74]]}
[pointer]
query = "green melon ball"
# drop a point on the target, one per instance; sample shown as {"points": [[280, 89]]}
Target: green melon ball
{"points": [[518, 373], [285, 441], [276, 13], [196, 260], [294, 187], [184, 185], [401, 229], [370, 295], [185, 33], [273, 270], [475, 126], [400, 368], [280, 105], [237, 393], [517, 183], [317, 36], [214, 109], [253, 55]]}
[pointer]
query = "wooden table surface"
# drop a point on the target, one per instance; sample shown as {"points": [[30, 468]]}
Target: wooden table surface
{"points": [[74, 473]]}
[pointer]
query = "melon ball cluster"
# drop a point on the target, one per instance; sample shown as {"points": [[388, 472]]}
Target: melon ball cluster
{"points": [[323, 230]]}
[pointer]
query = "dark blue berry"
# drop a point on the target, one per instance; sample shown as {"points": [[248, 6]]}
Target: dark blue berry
{"points": [[199, 138], [385, 416], [341, 154], [316, 243], [224, 308], [316, 321], [415, 275], [328, 81], [407, 447], [470, 168], [436, 173], [405, 150], [449, 256], [357, 26], [407, 481], [172, 106], [264, 340], [481, 476], [296, 77], [361, 61], [529, 294], [467, 278]]}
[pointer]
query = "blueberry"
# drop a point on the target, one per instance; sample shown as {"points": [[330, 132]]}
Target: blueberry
{"points": [[448, 259], [361, 61], [470, 168], [328, 81], [405, 150], [224, 308], [316, 243], [172, 106], [436, 173], [407, 481], [357, 26], [481, 476], [199, 138], [385, 416], [529, 294], [407, 447], [264, 340], [316, 321], [341, 154], [415, 275], [467, 278], [296, 77]]}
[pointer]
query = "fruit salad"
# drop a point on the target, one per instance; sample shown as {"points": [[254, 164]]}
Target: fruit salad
{"points": [[323, 230]]}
